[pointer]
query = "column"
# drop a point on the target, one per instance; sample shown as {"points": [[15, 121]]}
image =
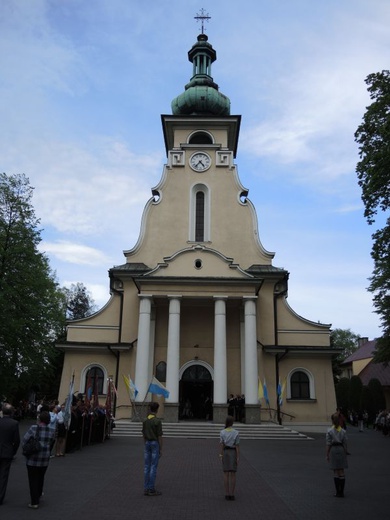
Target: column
{"points": [[220, 362], [242, 350], [251, 368], [173, 351], [142, 378]]}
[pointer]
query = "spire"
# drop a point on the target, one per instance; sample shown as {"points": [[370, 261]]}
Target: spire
{"points": [[201, 95]]}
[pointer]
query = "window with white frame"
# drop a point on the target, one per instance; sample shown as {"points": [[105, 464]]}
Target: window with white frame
{"points": [[300, 385], [94, 380], [199, 214]]}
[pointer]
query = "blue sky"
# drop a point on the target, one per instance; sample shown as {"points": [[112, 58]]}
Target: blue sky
{"points": [[82, 89]]}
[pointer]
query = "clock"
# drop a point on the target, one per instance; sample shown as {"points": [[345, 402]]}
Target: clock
{"points": [[200, 161]]}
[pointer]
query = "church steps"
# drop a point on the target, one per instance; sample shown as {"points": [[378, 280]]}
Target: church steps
{"points": [[199, 430]]}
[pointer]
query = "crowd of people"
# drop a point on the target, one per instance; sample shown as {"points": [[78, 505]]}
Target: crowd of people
{"points": [[363, 420], [56, 429], [382, 422], [88, 422]]}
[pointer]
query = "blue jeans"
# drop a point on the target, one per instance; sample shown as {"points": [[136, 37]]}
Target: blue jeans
{"points": [[151, 457]]}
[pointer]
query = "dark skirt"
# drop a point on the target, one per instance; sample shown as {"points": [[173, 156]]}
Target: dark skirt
{"points": [[229, 460], [338, 458], [61, 430]]}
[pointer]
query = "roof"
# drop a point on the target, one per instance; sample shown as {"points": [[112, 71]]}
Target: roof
{"points": [[132, 267], [261, 269], [379, 371], [366, 351]]}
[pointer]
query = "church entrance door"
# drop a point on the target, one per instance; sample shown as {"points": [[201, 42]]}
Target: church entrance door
{"points": [[196, 394]]}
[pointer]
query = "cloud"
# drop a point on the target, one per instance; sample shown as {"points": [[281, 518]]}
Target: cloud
{"points": [[80, 186], [74, 253], [316, 102], [352, 208]]}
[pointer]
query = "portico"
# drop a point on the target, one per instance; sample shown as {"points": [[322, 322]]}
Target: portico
{"points": [[175, 358]]}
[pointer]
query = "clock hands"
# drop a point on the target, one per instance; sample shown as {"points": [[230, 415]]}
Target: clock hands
{"points": [[200, 162]]}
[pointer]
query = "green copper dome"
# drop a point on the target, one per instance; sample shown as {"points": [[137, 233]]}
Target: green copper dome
{"points": [[201, 95]]}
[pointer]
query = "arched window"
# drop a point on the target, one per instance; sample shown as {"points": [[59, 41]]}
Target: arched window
{"points": [[94, 381], [300, 388], [301, 385], [200, 138], [196, 373], [199, 214], [161, 372]]}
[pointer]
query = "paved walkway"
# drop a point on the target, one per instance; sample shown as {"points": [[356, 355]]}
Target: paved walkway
{"points": [[276, 480]]}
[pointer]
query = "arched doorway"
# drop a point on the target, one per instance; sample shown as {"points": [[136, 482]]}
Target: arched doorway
{"points": [[196, 394]]}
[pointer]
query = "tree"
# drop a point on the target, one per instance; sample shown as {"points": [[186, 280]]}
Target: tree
{"points": [[79, 302], [355, 393], [373, 171], [367, 401], [348, 342], [378, 396], [31, 303], [342, 393]]}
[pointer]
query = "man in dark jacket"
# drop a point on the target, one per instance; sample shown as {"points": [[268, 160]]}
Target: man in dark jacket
{"points": [[9, 444]]}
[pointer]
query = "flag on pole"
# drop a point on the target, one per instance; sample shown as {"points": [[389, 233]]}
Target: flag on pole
{"points": [[282, 389], [88, 389], [279, 390], [131, 388], [68, 403], [260, 391], [263, 392], [109, 399], [157, 388], [95, 394], [114, 388]]}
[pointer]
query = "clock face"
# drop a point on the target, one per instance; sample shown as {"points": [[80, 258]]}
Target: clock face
{"points": [[200, 162]]}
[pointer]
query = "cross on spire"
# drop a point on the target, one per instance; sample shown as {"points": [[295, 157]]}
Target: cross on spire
{"points": [[202, 17]]}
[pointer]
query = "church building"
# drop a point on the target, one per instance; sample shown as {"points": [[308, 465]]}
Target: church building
{"points": [[198, 303]]}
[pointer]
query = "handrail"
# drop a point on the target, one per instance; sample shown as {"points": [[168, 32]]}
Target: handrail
{"points": [[273, 414]]}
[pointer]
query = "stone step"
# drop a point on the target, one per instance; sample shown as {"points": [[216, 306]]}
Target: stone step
{"points": [[204, 430]]}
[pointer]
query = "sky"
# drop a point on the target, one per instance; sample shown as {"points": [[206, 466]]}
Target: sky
{"points": [[82, 88]]}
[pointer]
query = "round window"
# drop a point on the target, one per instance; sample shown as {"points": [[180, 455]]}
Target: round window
{"points": [[198, 264]]}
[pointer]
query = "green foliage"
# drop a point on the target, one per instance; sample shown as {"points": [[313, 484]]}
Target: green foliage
{"points": [[352, 395], [348, 342], [79, 302], [366, 401], [380, 287], [377, 393], [31, 304], [355, 393], [342, 393], [373, 171]]}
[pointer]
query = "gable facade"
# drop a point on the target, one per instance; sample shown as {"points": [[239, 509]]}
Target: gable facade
{"points": [[198, 302]]}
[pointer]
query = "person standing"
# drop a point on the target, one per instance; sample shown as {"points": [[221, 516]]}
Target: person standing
{"points": [[230, 455], [53, 425], [60, 432], [152, 434], [9, 444], [38, 463], [336, 453]]}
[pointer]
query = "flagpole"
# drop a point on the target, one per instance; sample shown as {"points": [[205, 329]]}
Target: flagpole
{"points": [[82, 431], [132, 390], [277, 377], [144, 399], [136, 415]]}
